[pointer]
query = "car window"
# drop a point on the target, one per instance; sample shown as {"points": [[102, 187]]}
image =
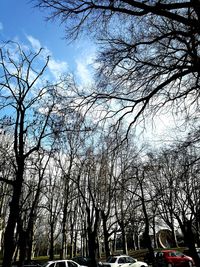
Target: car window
{"points": [[72, 264], [172, 254], [130, 260], [179, 254], [122, 260], [60, 264], [111, 259], [52, 265], [81, 260], [175, 254], [46, 263]]}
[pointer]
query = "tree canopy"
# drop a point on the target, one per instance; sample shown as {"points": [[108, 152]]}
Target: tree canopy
{"points": [[149, 52]]}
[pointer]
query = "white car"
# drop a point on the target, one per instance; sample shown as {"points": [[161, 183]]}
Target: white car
{"points": [[62, 263], [123, 261]]}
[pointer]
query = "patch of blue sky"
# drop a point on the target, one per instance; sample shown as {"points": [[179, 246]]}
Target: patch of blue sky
{"points": [[22, 22], [26, 25]]}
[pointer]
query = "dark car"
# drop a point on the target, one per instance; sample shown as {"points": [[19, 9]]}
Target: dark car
{"points": [[82, 260], [173, 258]]}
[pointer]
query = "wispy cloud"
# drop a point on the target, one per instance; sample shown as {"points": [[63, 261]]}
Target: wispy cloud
{"points": [[84, 67], [83, 72], [56, 67], [35, 43]]}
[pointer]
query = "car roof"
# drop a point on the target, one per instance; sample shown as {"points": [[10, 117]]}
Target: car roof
{"points": [[120, 255], [169, 250], [54, 261]]}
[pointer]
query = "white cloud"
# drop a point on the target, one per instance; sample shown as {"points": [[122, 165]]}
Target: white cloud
{"points": [[84, 67], [34, 42], [83, 72], [56, 67]]}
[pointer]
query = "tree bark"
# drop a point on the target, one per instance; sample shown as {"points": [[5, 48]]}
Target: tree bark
{"points": [[64, 223], [190, 242], [51, 251], [146, 231], [9, 237], [124, 239], [92, 235], [106, 234]]}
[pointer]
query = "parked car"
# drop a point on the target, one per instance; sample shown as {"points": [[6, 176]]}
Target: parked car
{"points": [[122, 261], [82, 260], [173, 258], [62, 263]]}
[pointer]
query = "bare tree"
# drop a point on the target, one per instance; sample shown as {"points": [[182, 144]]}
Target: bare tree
{"points": [[6, 174], [123, 199], [144, 198], [85, 176], [149, 57], [177, 189], [23, 93], [71, 145], [29, 204], [107, 186], [53, 205], [90, 194]]}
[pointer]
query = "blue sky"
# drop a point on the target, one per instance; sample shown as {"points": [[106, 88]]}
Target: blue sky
{"points": [[20, 21]]}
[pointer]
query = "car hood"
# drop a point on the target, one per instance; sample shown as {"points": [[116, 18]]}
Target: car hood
{"points": [[135, 264], [140, 263]]}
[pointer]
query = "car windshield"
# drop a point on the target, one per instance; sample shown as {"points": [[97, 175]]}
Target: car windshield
{"points": [[81, 260], [45, 264], [176, 254], [130, 260], [111, 259]]}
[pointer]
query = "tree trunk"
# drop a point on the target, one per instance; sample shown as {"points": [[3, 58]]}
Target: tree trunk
{"points": [[9, 237], [9, 242], [51, 252], [92, 247], [146, 231], [71, 240], [190, 242], [124, 239], [189, 238], [174, 237], [114, 242], [63, 252], [75, 243], [32, 217], [106, 234], [154, 233], [22, 247], [92, 231], [30, 235]]}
